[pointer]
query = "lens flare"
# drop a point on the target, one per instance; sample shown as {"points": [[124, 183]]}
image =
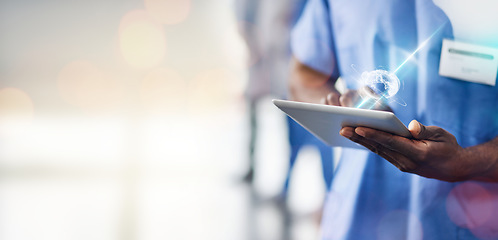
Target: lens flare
{"points": [[15, 104], [469, 205], [384, 84], [422, 45], [473, 205], [142, 41], [168, 11], [16, 110]]}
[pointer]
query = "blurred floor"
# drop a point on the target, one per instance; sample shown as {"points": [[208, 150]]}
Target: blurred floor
{"points": [[114, 126], [181, 181]]}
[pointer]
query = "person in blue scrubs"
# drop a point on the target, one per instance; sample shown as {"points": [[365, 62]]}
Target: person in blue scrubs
{"points": [[265, 27], [446, 188]]}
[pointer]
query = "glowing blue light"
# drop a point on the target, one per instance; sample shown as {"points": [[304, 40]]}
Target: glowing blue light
{"points": [[419, 47], [384, 85], [381, 82], [381, 85]]}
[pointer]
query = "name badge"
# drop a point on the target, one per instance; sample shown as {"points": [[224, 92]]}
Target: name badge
{"points": [[469, 62]]}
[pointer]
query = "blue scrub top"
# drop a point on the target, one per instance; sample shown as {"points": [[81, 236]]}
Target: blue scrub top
{"points": [[370, 198]]}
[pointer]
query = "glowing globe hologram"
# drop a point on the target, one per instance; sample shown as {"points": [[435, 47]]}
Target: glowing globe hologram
{"points": [[380, 86], [381, 82]]}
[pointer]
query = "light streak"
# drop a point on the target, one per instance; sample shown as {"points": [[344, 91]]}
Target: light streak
{"points": [[420, 47], [375, 103], [365, 100]]}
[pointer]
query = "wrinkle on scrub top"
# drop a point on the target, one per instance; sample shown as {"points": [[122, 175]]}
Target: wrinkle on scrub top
{"points": [[370, 198]]}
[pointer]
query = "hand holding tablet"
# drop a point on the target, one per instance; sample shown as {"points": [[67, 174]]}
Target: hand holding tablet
{"points": [[325, 121]]}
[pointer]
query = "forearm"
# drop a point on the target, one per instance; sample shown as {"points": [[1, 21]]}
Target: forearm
{"points": [[485, 159], [309, 85]]}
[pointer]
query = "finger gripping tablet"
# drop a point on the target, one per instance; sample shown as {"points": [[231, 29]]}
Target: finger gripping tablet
{"points": [[325, 121]]}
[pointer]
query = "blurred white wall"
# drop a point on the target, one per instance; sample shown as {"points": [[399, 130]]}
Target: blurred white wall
{"points": [[125, 120]]}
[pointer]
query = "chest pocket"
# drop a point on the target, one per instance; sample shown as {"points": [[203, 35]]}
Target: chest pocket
{"points": [[467, 110]]}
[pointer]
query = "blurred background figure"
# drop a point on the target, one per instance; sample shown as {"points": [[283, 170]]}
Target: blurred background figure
{"points": [[265, 26], [125, 120]]}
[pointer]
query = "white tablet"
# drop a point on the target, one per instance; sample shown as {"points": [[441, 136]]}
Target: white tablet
{"points": [[325, 121]]}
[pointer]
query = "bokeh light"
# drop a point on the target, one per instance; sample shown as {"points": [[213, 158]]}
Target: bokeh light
{"points": [[15, 107], [113, 150], [15, 103], [83, 84], [214, 89], [168, 11], [141, 40], [471, 205], [163, 90], [134, 16], [468, 205]]}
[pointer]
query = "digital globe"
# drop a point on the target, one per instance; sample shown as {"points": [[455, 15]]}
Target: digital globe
{"points": [[382, 84]]}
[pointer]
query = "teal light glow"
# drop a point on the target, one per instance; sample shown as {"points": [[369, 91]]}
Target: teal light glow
{"points": [[419, 47], [389, 76]]}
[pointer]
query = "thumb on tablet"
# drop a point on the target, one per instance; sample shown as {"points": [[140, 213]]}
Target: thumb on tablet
{"points": [[418, 130]]}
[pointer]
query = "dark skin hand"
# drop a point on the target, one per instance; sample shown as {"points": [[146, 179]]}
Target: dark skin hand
{"points": [[433, 152]]}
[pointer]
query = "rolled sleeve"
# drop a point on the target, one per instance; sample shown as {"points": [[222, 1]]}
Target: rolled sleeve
{"points": [[311, 40]]}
